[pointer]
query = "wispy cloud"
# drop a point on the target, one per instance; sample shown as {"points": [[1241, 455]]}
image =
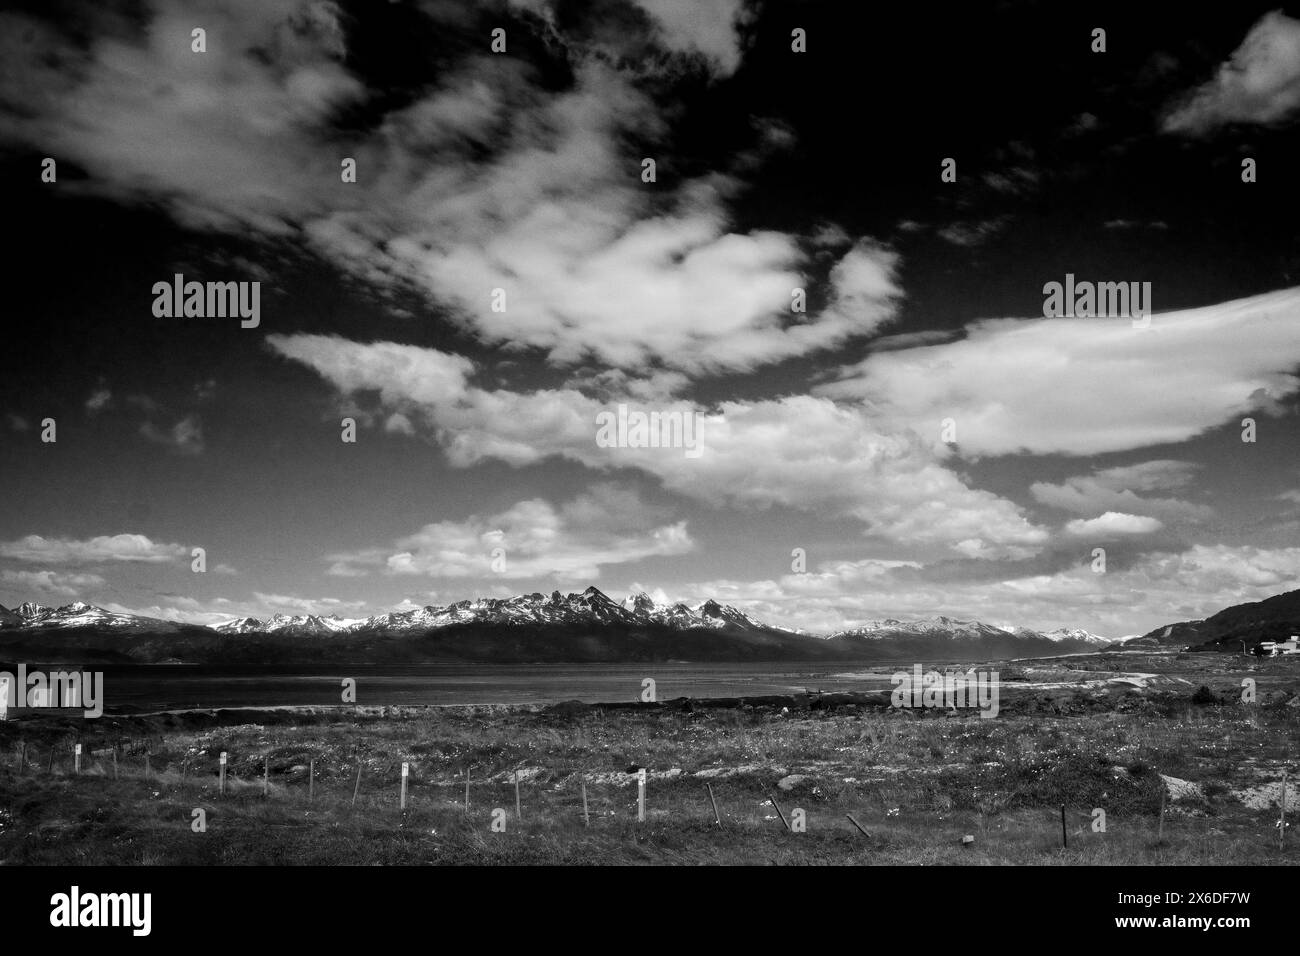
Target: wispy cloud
{"points": [[52, 582], [1031, 385], [605, 525], [185, 437], [1111, 525], [104, 548], [815, 455], [1260, 83], [1155, 589], [1116, 489]]}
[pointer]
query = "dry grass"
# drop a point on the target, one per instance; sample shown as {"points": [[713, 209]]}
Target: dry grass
{"points": [[917, 782]]}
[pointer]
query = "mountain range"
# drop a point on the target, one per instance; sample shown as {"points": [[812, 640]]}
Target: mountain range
{"points": [[531, 627], [585, 608]]}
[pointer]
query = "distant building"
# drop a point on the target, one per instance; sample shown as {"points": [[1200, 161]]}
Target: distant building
{"points": [[1281, 648]]}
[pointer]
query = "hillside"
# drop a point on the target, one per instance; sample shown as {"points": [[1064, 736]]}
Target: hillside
{"points": [[1272, 619]]}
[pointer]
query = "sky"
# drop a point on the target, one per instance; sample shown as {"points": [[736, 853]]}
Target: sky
{"points": [[837, 272]]}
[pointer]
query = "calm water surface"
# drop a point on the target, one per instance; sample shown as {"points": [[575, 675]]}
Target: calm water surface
{"points": [[164, 687]]}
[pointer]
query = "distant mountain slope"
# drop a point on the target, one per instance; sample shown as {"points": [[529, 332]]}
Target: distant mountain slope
{"points": [[1077, 634], [946, 638], [586, 627], [1272, 619]]}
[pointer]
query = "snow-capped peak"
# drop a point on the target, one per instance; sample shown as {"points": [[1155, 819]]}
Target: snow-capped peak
{"points": [[76, 614], [240, 625], [1075, 634]]}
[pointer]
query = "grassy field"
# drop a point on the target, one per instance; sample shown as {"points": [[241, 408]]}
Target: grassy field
{"points": [[1070, 733]]}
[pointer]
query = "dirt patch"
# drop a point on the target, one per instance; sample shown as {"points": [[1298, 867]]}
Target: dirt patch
{"points": [[1268, 796], [1183, 790]]}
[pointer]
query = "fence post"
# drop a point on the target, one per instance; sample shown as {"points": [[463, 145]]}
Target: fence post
{"points": [[586, 820], [266, 775], [1281, 823], [716, 817], [76, 758], [640, 795], [406, 770], [518, 813], [311, 780], [772, 800]]}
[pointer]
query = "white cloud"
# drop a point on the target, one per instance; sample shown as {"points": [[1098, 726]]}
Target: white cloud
{"points": [[185, 437], [118, 547], [98, 400], [286, 603], [1111, 525], [1085, 386], [532, 539], [816, 455], [1158, 589], [238, 121], [1260, 84], [488, 181], [973, 233], [704, 26], [52, 582], [1115, 489], [398, 424]]}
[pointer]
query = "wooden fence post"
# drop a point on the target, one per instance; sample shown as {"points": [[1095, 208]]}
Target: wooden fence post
{"points": [[406, 770], [640, 796], [586, 820], [76, 758], [772, 800], [1281, 823], [518, 812], [221, 782]]}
